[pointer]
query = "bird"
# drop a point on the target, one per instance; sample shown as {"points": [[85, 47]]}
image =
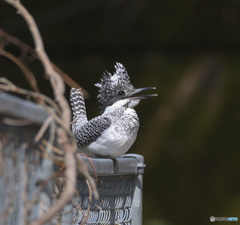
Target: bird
{"points": [[113, 132]]}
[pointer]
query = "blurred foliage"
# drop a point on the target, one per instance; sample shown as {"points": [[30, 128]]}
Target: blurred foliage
{"points": [[190, 51]]}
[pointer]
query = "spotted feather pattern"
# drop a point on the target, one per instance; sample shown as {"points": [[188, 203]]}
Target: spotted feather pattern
{"points": [[90, 131], [85, 131], [110, 84], [78, 108]]}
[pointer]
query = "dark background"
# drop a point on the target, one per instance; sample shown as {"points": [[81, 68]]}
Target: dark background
{"points": [[190, 51]]}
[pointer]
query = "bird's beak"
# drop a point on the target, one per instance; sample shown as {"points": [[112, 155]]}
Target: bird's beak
{"points": [[136, 91]]}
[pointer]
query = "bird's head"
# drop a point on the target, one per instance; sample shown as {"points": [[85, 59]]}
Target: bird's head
{"points": [[113, 88]]}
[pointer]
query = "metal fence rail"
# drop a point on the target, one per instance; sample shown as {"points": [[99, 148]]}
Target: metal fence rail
{"points": [[21, 164], [119, 183]]}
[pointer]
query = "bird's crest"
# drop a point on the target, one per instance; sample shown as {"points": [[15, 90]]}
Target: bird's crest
{"points": [[111, 84], [119, 78]]}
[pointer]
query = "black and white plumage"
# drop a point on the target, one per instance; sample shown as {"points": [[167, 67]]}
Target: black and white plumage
{"points": [[114, 87], [112, 133]]}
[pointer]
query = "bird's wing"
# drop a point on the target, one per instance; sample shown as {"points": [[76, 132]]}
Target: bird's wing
{"points": [[78, 108], [91, 130]]}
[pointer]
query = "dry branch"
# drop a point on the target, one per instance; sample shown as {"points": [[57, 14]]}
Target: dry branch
{"points": [[26, 49], [28, 74], [86, 216], [54, 77], [58, 89], [70, 175], [58, 113]]}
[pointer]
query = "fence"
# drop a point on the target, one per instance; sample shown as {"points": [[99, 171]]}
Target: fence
{"points": [[26, 190]]}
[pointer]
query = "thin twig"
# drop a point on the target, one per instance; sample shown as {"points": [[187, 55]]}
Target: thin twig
{"points": [[62, 117], [28, 74], [54, 148], [9, 86], [70, 175], [82, 169], [43, 129], [29, 50], [9, 38], [86, 216], [94, 168], [54, 77]]}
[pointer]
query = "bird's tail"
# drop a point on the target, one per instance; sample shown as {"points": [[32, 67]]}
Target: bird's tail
{"points": [[78, 108]]}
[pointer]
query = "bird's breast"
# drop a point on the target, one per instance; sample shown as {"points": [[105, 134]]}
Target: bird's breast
{"points": [[117, 139], [126, 121]]}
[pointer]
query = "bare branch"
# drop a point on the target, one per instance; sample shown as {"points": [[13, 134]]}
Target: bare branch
{"points": [[82, 169], [62, 117], [86, 216], [70, 174], [28, 74], [29, 50], [43, 129], [55, 79], [7, 85]]}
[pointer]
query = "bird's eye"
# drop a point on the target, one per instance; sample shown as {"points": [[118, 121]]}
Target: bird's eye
{"points": [[121, 93]]}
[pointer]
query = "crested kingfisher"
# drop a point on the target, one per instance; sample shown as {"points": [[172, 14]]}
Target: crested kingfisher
{"points": [[111, 134]]}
